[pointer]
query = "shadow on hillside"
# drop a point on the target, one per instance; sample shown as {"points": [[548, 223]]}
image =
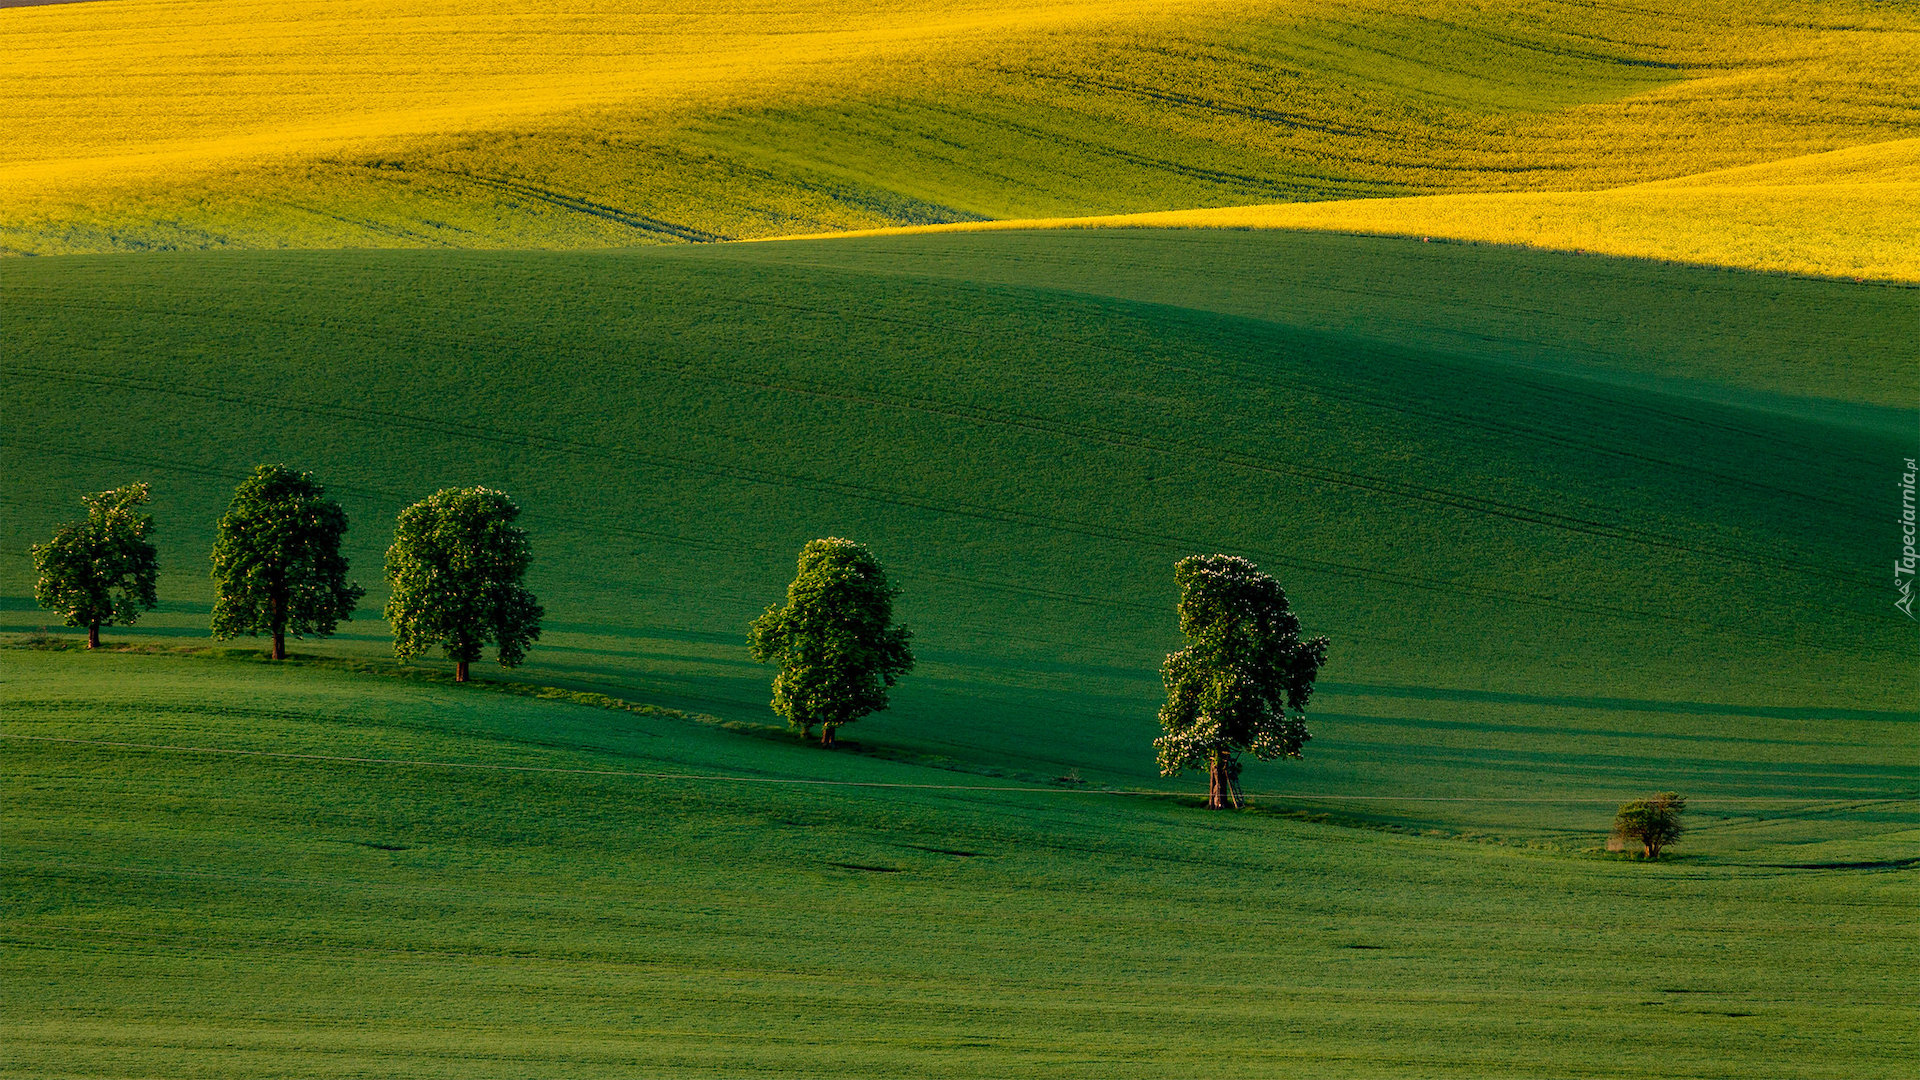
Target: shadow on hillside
{"points": [[1699, 708]]}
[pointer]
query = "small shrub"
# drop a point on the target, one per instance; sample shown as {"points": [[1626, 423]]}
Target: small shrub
{"points": [[1653, 823]]}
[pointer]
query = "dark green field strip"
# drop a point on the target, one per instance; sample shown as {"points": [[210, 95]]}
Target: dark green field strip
{"points": [[1901, 805], [1512, 768], [1132, 440], [1337, 478], [588, 343], [1702, 708], [1785, 342], [583, 344]]}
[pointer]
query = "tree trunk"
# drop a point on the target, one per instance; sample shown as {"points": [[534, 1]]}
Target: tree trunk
{"points": [[459, 671], [826, 736], [93, 635], [1222, 790], [279, 644], [279, 616]]}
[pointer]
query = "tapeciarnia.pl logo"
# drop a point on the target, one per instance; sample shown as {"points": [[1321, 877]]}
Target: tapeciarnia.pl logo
{"points": [[1903, 566]]}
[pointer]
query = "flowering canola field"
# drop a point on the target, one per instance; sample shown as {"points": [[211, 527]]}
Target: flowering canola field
{"points": [[1850, 213], [141, 124]]}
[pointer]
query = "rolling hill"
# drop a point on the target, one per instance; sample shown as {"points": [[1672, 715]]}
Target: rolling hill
{"points": [[1135, 281], [1533, 498], [449, 123]]}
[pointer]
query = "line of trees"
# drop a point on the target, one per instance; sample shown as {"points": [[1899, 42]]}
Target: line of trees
{"points": [[455, 571], [455, 576]]}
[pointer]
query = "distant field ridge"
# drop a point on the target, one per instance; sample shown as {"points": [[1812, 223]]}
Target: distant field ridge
{"points": [[1768, 136]]}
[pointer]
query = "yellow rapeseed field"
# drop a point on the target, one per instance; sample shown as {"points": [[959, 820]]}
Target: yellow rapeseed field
{"points": [[139, 88], [1849, 213], [138, 124]]}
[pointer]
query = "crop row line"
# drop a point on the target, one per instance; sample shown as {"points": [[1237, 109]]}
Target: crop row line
{"points": [[580, 205], [1280, 188]]}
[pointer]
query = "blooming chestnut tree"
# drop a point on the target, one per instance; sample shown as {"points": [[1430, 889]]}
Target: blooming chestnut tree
{"points": [[1243, 681]]}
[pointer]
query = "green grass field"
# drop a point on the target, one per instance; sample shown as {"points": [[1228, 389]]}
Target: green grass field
{"points": [[418, 879], [1487, 472], [1579, 529]]}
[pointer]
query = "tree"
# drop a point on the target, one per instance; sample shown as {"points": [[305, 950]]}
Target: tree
{"points": [[838, 650], [100, 571], [454, 571], [1242, 682], [1653, 822], [277, 565]]}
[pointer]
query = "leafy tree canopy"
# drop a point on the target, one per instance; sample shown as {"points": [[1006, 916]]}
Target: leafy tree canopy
{"points": [[100, 571], [455, 571], [277, 565], [1243, 681], [1652, 822], [838, 650]]}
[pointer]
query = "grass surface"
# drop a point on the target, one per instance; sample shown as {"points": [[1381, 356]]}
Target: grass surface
{"points": [[453, 123], [1580, 529], [417, 879], [1530, 497]]}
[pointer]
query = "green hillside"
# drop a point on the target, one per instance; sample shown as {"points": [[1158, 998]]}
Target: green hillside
{"points": [[1579, 529], [1565, 533], [406, 879]]}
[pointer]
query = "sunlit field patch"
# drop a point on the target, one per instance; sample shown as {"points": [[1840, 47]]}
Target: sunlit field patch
{"points": [[1849, 213], [143, 125]]}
